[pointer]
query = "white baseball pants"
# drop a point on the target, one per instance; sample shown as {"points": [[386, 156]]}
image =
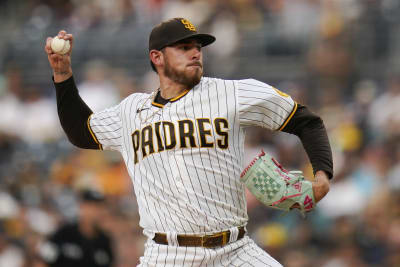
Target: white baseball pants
{"points": [[243, 252]]}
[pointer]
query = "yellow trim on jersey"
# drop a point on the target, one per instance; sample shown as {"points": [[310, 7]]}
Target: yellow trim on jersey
{"points": [[91, 132], [157, 104], [288, 118], [280, 92], [171, 100], [179, 96]]}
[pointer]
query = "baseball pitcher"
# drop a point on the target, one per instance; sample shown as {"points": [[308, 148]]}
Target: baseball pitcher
{"points": [[183, 148]]}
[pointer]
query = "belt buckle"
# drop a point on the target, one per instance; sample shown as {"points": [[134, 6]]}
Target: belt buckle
{"points": [[225, 238], [205, 238]]}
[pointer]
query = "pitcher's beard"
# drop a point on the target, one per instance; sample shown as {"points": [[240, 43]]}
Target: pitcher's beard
{"points": [[189, 80]]}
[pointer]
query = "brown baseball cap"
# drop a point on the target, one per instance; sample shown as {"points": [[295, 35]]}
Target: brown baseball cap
{"points": [[175, 30]]}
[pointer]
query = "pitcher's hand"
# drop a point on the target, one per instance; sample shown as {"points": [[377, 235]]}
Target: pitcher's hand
{"points": [[61, 64]]}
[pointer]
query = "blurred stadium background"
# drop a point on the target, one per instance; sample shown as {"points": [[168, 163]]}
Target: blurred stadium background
{"points": [[340, 57]]}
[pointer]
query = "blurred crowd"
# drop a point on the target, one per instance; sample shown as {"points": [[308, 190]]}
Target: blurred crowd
{"points": [[339, 57]]}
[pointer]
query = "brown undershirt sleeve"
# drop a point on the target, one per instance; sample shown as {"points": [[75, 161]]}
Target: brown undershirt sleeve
{"points": [[74, 114], [312, 133]]}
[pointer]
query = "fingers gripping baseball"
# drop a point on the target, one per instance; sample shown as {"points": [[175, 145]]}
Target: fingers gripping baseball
{"points": [[58, 51]]}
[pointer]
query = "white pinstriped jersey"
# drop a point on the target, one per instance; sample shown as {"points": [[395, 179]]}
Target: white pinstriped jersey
{"points": [[185, 158]]}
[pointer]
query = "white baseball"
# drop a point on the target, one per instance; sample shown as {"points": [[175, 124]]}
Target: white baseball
{"points": [[60, 46]]}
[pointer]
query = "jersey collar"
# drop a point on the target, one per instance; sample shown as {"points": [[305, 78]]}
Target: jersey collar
{"points": [[160, 102]]}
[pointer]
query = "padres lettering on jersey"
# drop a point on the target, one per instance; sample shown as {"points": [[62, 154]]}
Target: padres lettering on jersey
{"points": [[184, 134], [185, 158]]}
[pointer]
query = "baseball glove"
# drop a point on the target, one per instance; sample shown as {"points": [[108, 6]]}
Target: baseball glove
{"points": [[276, 187]]}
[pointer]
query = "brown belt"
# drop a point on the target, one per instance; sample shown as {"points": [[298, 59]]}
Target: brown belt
{"points": [[206, 241]]}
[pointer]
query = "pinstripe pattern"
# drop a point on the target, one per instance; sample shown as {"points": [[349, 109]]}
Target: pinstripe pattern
{"points": [[242, 253], [194, 189], [261, 105]]}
